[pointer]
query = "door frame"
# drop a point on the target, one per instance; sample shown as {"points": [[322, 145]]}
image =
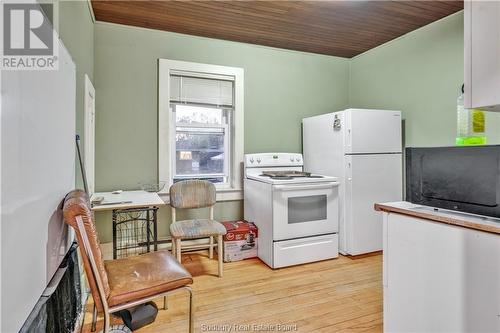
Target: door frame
{"points": [[89, 134]]}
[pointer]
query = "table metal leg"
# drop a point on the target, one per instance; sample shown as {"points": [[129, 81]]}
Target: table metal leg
{"points": [[114, 233], [155, 228], [148, 228], [148, 216]]}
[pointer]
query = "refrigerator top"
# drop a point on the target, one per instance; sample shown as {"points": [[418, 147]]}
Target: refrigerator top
{"points": [[350, 110], [372, 131], [354, 131]]}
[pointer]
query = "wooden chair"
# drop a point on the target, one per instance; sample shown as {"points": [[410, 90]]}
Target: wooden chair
{"points": [[190, 194], [123, 283]]}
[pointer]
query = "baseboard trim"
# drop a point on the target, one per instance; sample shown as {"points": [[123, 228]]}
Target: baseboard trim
{"points": [[365, 255]]}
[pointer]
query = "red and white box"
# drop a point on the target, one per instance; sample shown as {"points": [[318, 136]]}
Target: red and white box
{"points": [[240, 241]]}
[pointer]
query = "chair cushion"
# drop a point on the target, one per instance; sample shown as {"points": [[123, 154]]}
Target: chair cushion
{"points": [[145, 275], [190, 229]]}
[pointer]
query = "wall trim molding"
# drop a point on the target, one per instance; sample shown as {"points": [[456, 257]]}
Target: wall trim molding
{"points": [[91, 10]]}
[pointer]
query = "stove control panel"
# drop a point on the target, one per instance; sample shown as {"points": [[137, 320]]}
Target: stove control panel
{"points": [[273, 160]]}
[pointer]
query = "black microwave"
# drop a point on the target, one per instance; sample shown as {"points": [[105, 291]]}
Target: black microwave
{"points": [[462, 178]]}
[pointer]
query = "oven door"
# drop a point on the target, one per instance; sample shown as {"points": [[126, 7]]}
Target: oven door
{"points": [[302, 210]]}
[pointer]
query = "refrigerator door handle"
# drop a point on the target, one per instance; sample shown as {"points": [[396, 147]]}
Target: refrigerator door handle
{"points": [[349, 171]]}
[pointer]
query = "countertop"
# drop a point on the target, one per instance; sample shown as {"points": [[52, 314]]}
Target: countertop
{"points": [[127, 199], [466, 220]]}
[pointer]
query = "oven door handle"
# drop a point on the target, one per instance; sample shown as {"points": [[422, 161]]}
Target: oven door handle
{"points": [[305, 187]]}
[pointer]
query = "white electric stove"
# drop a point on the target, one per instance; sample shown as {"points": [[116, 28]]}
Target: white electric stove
{"points": [[296, 212]]}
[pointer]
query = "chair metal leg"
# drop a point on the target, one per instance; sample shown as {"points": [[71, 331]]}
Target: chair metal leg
{"points": [[211, 248], [165, 303], [220, 257], [106, 322], [191, 319], [178, 249], [94, 319]]}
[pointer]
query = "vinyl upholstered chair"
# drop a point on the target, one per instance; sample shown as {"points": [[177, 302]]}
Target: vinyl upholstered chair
{"points": [[123, 283], [191, 194]]}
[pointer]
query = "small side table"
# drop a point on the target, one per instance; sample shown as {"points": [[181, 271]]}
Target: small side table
{"points": [[135, 219]]}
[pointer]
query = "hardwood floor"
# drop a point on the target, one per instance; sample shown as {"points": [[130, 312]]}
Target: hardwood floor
{"points": [[341, 295]]}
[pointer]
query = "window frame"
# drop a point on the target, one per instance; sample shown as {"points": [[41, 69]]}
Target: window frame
{"points": [[233, 190]]}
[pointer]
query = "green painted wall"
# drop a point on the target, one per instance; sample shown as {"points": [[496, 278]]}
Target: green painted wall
{"points": [[76, 30], [281, 88], [421, 74]]}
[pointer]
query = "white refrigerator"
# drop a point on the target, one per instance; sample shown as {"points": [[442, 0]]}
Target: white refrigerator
{"points": [[363, 148]]}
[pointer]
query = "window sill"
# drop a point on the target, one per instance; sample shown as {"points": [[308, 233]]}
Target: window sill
{"points": [[226, 194]]}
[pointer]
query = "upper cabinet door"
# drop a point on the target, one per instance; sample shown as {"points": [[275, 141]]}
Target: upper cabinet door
{"points": [[372, 131], [482, 55]]}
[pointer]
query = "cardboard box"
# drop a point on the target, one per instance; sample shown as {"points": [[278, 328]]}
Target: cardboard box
{"points": [[240, 241]]}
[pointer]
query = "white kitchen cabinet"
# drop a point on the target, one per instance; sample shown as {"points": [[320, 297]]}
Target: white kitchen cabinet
{"points": [[439, 277], [482, 55]]}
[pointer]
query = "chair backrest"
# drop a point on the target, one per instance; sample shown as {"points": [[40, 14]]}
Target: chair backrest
{"points": [[192, 194], [77, 205]]}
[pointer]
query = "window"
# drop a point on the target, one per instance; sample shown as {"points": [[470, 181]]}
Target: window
{"points": [[201, 124], [201, 108], [201, 143]]}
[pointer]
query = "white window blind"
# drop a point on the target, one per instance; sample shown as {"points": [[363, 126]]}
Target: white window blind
{"points": [[213, 90]]}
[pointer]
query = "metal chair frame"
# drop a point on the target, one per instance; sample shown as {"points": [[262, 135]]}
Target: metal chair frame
{"points": [[109, 310]]}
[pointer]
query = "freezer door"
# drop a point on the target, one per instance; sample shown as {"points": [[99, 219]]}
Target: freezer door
{"points": [[370, 179], [322, 144], [372, 131]]}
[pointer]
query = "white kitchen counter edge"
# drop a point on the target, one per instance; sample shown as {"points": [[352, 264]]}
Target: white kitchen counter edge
{"points": [[440, 215]]}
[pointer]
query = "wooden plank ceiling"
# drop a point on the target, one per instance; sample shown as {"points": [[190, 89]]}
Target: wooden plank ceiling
{"points": [[338, 28]]}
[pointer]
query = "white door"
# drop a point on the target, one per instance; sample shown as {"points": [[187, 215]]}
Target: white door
{"points": [[305, 210], [370, 179], [372, 131], [89, 134]]}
